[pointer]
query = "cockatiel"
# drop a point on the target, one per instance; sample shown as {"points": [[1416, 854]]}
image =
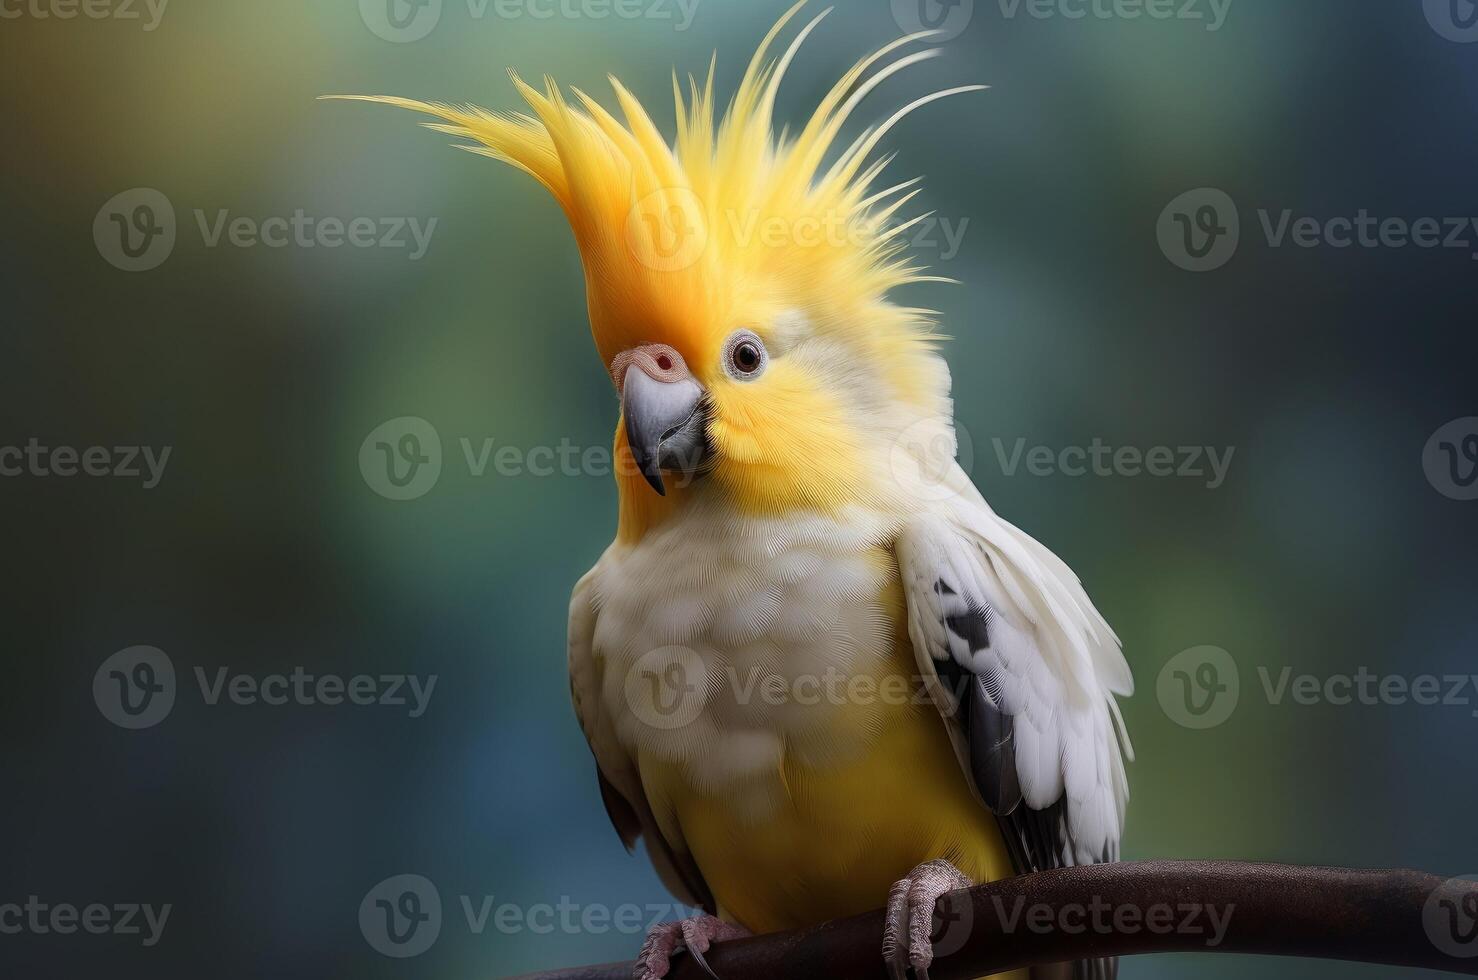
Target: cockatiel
{"points": [[817, 672]]}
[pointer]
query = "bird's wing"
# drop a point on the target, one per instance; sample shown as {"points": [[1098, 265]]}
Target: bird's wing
{"points": [[620, 781], [1024, 671]]}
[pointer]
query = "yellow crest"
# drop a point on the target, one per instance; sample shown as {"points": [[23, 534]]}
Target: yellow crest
{"points": [[731, 221]]}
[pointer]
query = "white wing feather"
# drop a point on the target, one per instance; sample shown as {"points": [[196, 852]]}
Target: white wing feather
{"points": [[1052, 664]]}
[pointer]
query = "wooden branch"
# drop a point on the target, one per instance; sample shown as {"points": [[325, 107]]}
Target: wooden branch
{"points": [[1396, 918]]}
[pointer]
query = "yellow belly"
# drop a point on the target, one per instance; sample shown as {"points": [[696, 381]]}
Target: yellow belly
{"points": [[832, 838], [848, 832]]}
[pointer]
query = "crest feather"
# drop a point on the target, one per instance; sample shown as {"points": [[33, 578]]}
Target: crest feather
{"points": [[675, 236]]}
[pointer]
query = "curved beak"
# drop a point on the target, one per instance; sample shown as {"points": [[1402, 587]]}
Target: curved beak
{"points": [[666, 424]]}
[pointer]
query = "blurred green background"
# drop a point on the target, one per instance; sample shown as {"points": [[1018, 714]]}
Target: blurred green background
{"points": [[1328, 547]]}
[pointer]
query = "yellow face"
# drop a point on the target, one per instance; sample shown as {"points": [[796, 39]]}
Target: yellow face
{"points": [[729, 231], [778, 434], [781, 439], [799, 402]]}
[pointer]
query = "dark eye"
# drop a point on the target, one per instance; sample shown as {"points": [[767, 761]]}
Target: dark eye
{"points": [[747, 356], [744, 356]]}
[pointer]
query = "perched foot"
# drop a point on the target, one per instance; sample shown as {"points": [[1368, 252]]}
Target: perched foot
{"points": [[694, 935], [910, 919]]}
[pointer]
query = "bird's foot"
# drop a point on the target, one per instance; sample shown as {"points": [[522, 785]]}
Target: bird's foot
{"points": [[907, 936], [695, 935]]}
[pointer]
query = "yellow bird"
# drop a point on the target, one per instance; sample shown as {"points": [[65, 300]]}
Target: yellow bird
{"points": [[817, 672]]}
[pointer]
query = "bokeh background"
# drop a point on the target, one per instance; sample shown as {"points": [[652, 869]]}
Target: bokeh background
{"points": [[1329, 546]]}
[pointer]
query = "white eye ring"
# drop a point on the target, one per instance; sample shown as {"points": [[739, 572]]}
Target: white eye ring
{"points": [[745, 357]]}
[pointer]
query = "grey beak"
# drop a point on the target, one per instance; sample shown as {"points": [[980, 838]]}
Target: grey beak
{"points": [[666, 424]]}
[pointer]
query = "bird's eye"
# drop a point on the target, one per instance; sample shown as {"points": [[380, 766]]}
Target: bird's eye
{"points": [[747, 357], [744, 356]]}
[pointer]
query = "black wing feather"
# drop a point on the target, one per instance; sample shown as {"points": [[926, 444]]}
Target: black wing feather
{"points": [[1036, 840]]}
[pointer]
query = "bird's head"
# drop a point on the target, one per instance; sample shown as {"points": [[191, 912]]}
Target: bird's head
{"points": [[736, 284]]}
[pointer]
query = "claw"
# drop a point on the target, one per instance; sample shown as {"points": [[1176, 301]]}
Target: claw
{"points": [[703, 963], [654, 959], [909, 920], [895, 931], [695, 935]]}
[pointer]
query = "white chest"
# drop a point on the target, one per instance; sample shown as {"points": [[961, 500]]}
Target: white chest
{"points": [[729, 645]]}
